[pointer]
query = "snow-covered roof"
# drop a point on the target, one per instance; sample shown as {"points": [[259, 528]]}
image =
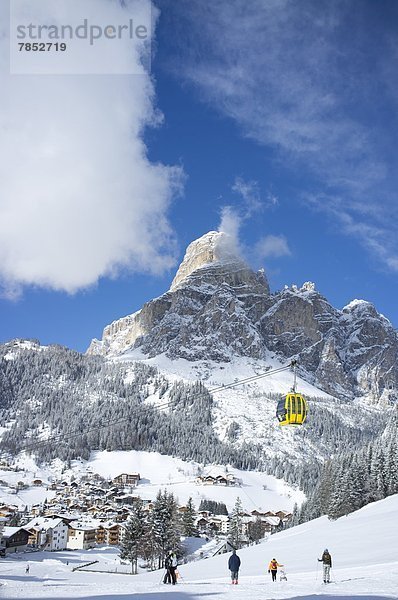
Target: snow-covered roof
{"points": [[10, 531], [43, 523]]}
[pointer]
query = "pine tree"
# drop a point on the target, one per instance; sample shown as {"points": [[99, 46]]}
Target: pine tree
{"points": [[166, 525], [132, 544], [188, 520], [235, 528]]}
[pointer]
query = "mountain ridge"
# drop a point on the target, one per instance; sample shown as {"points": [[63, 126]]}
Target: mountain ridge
{"points": [[217, 307]]}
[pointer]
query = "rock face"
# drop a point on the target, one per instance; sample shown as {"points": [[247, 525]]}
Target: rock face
{"points": [[209, 313], [218, 308]]}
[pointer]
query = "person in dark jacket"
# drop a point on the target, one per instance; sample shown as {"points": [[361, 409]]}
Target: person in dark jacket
{"points": [[167, 565], [327, 565], [173, 567], [233, 566]]}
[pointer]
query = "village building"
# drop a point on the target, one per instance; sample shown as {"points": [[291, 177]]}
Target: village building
{"points": [[81, 536], [48, 534], [127, 479], [217, 477], [219, 523], [14, 539]]}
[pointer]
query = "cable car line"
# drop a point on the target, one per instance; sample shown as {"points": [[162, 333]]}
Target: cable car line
{"points": [[59, 438]]}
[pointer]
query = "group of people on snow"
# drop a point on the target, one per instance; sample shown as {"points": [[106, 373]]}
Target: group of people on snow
{"points": [[234, 565], [170, 564]]}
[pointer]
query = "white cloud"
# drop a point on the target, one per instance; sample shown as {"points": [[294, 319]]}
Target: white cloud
{"points": [[272, 246], [375, 233], [79, 197], [250, 193], [230, 224]]}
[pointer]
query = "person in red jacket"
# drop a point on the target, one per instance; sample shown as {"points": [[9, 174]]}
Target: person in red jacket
{"points": [[273, 568]]}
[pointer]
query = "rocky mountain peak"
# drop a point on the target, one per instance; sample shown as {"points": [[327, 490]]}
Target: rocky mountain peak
{"points": [[218, 309], [214, 249]]}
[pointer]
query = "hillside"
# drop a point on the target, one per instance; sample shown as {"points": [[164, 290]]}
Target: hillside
{"points": [[93, 403], [363, 546]]}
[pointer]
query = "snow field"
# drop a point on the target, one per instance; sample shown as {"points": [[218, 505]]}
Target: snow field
{"points": [[363, 545]]}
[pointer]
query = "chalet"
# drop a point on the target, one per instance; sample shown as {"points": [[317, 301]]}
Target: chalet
{"points": [[221, 480], [37, 482], [207, 480], [283, 515], [220, 523], [14, 539], [127, 479], [126, 499], [8, 510], [215, 477], [110, 533]]}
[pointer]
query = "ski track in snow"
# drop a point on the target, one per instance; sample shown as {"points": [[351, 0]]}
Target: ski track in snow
{"points": [[364, 548]]}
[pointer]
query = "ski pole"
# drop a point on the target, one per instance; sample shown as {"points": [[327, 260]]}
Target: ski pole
{"points": [[317, 567], [162, 577], [179, 576]]}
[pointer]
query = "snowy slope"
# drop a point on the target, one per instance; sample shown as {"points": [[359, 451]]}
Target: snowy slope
{"points": [[250, 407], [179, 478], [157, 472], [364, 548]]}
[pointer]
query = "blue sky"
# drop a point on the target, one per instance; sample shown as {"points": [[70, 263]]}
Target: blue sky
{"points": [[274, 119]]}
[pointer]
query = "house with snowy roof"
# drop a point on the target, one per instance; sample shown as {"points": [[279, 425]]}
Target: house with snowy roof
{"points": [[14, 539], [216, 476], [81, 535], [48, 533]]}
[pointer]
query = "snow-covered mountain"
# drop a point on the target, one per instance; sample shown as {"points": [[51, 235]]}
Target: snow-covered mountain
{"points": [[218, 309]]}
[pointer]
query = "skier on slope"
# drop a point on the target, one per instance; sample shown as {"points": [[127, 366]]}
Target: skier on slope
{"points": [[167, 565], [173, 567], [327, 565], [233, 566], [273, 568]]}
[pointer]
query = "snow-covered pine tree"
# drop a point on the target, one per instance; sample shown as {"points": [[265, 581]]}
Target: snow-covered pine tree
{"points": [[188, 520], [166, 525], [214, 507], [131, 547], [235, 527]]}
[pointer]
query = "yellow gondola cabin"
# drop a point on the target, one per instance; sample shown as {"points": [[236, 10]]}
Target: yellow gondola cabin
{"points": [[292, 410]]}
